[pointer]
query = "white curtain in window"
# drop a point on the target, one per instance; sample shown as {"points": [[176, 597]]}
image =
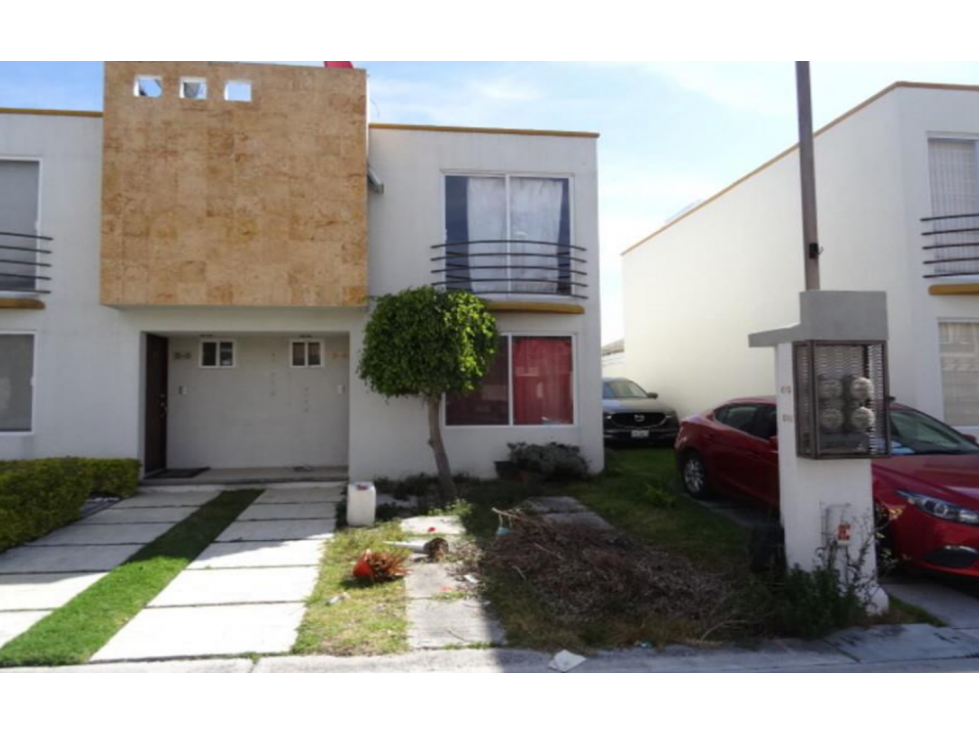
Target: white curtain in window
{"points": [[954, 173], [535, 214], [960, 372], [486, 211]]}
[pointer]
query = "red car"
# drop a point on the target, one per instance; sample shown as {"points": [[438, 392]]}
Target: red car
{"points": [[929, 486]]}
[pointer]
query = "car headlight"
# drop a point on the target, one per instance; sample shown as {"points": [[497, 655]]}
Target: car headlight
{"points": [[941, 509]]}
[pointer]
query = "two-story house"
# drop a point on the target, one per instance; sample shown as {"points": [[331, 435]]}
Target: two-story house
{"points": [[185, 276], [897, 182]]}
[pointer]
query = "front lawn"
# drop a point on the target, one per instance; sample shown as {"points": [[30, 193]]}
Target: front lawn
{"points": [[363, 619]]}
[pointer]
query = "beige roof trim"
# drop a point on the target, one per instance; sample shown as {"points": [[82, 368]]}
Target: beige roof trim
{"points": [[482, 130], [783, 154], [50, 113]]}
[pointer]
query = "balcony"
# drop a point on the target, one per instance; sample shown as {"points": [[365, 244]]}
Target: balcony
{"points": [[23, 264], [952, 247], [511, 270]]}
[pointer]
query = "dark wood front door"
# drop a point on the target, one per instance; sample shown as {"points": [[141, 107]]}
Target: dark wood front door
{"points": [[155, 450]]}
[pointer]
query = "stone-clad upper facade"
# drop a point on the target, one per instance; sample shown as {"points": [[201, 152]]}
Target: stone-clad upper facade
{"points": [[215, 202]]}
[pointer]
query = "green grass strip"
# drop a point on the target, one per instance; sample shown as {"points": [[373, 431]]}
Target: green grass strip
{"points": [[73, 633]]}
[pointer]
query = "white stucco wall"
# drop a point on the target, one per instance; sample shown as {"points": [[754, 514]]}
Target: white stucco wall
{"points": [[733, 267], [262, 408], [90, 373]]}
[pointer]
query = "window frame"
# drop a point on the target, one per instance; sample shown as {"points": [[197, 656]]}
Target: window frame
{"points": [[510, 425], [154, 77], [34, 337], [942, 321], [193, 80], [38, 225], [218, 365], [507, 176], [232, 83], [307, 365]]}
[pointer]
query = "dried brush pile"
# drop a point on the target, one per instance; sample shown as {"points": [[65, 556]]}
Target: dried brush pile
{"points": [[585, 575]]}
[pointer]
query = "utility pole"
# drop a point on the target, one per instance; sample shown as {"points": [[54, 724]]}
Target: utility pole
{"points": [[807, 169]]}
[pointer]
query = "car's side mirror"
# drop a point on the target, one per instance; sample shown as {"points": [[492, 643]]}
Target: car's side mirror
{"points": [[971, 438], [652, 395], [773, 442]]}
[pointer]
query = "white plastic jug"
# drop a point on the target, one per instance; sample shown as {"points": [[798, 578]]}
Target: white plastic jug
{"points": [[361, 504]]}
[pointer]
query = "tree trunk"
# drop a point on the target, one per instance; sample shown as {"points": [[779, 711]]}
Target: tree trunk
{"points": [[446, 483]]}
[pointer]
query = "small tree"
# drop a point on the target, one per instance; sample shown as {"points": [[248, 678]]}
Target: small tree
{"points": [[426, 343]]}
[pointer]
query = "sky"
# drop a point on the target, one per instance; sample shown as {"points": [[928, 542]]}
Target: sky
{"points": [[672, 133]]}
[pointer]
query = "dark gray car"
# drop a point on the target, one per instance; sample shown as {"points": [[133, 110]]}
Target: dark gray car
{"points": [[634, 415]]}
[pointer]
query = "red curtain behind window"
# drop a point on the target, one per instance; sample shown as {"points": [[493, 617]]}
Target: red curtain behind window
{"points": [[542, 381]]}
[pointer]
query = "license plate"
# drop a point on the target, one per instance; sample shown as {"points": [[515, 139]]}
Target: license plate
{"points": [[640, 434]]}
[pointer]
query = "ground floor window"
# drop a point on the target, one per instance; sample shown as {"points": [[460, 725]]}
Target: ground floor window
{"points": [[307, 353], [960, 372], [531, 383], [16, 383], [217, 353]]}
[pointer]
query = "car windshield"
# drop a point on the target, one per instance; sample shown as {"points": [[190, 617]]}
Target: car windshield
{"points": [[623, 389], [916, 433]]}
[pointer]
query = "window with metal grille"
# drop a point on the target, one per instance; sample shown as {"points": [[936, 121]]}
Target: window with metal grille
{"points": [[960, 372], [19, 209], [16, 383]]}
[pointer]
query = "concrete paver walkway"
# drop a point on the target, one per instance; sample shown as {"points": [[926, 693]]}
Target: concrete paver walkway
{"points": [[245, 593], [39, 577]]}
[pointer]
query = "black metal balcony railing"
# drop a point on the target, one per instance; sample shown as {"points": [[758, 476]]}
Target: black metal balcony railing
{"points": [[510, 268], [953, 246], [22, 263]]}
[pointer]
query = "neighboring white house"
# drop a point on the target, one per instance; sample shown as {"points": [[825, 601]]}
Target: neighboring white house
{"points": [[733, 265], [183, 277]]}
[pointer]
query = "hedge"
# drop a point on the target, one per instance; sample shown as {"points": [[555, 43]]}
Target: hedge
{"points": [[41, 495]]}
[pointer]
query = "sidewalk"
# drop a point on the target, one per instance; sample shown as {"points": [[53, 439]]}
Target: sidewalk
{"points": [[916, 648]]}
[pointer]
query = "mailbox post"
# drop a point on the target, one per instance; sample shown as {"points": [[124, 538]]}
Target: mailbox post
{"points": [[831, 380]]}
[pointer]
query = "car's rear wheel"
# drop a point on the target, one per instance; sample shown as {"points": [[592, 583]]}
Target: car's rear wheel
{"points": [[694, 474]]}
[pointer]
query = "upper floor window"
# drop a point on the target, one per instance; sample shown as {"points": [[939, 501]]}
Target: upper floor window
{"points": [[508, 234], [148, 86], [19, 209], [193, 88], [16, 383], [953, 170]]}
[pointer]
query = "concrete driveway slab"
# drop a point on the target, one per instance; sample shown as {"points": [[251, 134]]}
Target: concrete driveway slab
{"points": [[65, 559], [22, 592], [92, 535], [14, 624], [256, 530], [259, 555], [238, 586], [427, 580], [306, 495], [952, 607], [133, 516], [283, 511], [199, 631], [895, 643]]}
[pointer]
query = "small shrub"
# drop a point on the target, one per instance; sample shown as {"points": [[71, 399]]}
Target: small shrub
{"points": [[814, 603], [39, 496], [114, 477], [660, 498], [549, 461]]}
